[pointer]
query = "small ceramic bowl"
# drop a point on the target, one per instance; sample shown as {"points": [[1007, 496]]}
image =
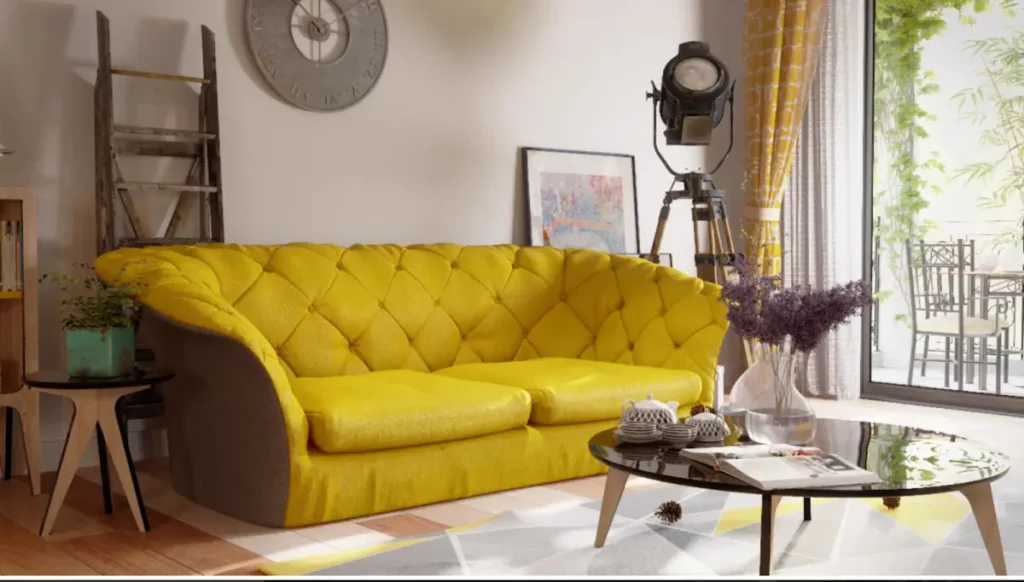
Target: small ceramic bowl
{"points": [[637, 428], [679, 434], [711, 428]]}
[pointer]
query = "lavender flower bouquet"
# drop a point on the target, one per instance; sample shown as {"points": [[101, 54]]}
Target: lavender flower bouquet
{"points": [[788, 322]]}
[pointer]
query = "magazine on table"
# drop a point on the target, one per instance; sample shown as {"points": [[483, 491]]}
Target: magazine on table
{"points": [[782, 466]]}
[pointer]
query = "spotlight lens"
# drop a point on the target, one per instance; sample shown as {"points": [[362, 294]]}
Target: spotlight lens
{"points": [[696, 74]]}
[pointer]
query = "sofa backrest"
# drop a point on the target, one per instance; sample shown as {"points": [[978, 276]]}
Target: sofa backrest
{"points": [[328, 310]]}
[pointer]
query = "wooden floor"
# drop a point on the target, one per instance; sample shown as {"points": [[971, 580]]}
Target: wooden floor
{"points": [[85, 541], [186, 538]]}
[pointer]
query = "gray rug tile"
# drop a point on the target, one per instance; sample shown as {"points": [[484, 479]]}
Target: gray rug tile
{"points": [[846, 537]]}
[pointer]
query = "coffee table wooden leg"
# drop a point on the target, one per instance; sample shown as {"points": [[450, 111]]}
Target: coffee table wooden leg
{"points": [[980, 498], [769, 503], [78, 438], [614, 484], [807, 509]]}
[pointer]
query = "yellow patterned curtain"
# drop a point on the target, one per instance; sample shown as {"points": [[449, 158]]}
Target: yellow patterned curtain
{"points": [[783, 38]]}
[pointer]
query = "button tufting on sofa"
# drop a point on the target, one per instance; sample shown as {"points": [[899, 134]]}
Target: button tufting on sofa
{"points": [[357, 402]]}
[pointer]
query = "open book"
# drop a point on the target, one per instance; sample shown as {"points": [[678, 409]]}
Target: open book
{"points": [[782, 466]]}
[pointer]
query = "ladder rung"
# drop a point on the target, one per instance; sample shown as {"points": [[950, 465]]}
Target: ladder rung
{"points": [[155, 242], [138, 132], [162, 186], [160, 76], [157, 147]]}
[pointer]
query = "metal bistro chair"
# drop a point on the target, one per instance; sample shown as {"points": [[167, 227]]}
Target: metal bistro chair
{"points": [[940, 302]]}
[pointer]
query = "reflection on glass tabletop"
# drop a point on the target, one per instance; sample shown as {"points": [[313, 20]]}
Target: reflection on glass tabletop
{"points": [[910, 461]]}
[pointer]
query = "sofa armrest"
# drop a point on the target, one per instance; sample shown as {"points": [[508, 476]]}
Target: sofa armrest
{"points": [[226, 434], [188, 296]]}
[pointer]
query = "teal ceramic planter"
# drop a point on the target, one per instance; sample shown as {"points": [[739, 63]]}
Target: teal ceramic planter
{"points": [[100, 353]]}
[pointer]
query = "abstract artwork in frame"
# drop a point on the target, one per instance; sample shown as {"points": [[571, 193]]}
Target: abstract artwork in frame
{"points": [[581, 200], [664, 259]]}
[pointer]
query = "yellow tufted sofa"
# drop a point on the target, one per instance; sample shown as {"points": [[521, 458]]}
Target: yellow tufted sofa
{"points": [[318, 383]]}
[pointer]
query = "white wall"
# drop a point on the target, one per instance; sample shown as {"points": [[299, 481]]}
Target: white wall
{"points": [[722, 25], [430, 155]]}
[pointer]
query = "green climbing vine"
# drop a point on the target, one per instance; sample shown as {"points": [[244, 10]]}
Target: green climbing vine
{"points": [[1001, 91], [901, 28]]}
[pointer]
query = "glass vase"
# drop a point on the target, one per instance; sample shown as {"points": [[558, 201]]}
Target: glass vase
{"points": [[756, 379], [779, 413]]}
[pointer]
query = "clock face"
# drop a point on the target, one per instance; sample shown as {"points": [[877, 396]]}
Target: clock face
{"points": [[320, 55]]}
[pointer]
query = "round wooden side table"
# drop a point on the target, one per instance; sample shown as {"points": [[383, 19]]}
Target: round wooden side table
{"points": [[95, 401]]}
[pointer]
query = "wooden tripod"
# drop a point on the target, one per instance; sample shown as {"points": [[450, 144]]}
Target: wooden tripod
{"points": [[715, 253]]}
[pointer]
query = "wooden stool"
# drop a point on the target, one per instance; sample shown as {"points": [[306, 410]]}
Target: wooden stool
{"points": [[95, 401]]}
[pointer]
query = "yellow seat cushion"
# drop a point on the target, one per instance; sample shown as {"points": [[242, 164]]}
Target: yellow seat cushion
{"points": [[399, 408], [567, 391]]}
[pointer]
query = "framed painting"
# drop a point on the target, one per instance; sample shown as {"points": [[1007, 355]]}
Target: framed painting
{"points": [[581, 200], [663, 258]]}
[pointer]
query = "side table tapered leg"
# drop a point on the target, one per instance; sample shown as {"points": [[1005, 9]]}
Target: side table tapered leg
{"points": [[94, 408], [984, 509], [79, 433], [115, 440], [26, 402], [101, 451], [614, 484], [30, 434]]}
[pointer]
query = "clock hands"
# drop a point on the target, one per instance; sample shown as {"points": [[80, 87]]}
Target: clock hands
{"points": [[299, 4], [350, 9]]}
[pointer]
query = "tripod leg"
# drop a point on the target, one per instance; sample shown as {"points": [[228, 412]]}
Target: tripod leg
{"points": [[666, 207], [717, 249]]}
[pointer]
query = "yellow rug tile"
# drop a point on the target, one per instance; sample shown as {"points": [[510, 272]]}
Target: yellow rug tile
{"points": [[733, 519]]}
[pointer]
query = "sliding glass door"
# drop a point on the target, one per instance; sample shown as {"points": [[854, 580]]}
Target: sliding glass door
{"points": [[945, 175]]}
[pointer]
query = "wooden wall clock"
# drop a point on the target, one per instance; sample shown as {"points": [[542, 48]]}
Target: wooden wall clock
{"points": [[319, 55]]}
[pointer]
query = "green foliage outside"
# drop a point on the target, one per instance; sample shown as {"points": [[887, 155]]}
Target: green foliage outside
{"points": [[901, 29], [996, 107]]}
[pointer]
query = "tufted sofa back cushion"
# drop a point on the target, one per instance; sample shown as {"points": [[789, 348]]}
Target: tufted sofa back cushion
{"points": [[328, 310]]}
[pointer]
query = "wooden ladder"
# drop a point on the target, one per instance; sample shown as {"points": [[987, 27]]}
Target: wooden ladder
{"points": [[203, 183]]}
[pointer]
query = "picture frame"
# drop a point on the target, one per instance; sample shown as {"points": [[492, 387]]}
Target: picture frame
{"points": [[663, 258], [581, 199]]}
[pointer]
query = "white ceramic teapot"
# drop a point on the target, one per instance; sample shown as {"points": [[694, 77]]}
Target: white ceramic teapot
{"points": [[650, 410]]}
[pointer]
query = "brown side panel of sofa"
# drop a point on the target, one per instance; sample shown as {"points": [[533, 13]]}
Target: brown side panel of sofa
{"points": [[225, 430]]}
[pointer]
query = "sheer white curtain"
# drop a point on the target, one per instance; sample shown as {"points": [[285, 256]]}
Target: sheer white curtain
{"points": [[823, 208]]}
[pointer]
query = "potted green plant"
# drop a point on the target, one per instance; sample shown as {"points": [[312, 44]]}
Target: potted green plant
{"points": [[99, 322]]}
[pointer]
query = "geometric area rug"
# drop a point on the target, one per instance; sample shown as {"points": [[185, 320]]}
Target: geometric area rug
{"points": [[719, 535]]}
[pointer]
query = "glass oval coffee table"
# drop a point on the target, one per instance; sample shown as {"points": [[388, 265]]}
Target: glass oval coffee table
{"points": [[910, 461]]}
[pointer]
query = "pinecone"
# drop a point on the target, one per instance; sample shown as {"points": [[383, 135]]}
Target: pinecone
{"points": [[699, 408], [891, 502], [669, 512]]}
